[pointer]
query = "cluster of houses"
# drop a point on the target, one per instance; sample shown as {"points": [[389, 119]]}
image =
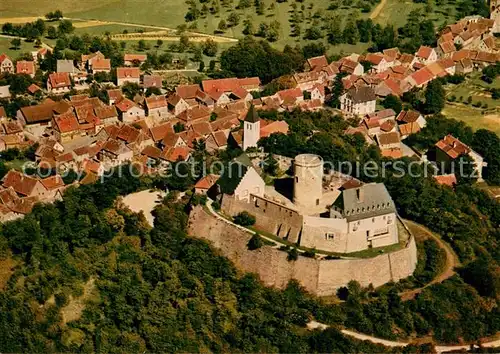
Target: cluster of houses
{"points": [[89, 136]]}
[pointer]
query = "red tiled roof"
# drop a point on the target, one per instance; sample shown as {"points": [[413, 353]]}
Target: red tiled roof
{"points": [[155, 102], [187, 91], [206, 182], [125, 104], [452, 146], [408, 116], [3, 57], [447, 180], [101, 64], [422, 76], [66, 122], [395, 153], [161, 131], [2, 112], [152, 152], [133, 57], [22, 184], [279, 126], [33, 88], [152, 81], [53, 182], [25, 67], [317, 63], [290, 93], [123, 73], [424, 52], [58, 80], [387, 126], [448, 47], [409, 128], [174, 154]]}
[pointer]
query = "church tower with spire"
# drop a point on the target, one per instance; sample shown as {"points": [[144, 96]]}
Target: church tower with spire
{"points": [[251, 129]]}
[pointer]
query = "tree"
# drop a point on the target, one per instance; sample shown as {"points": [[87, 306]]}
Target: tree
{"points": [[210, 47], [393, 102], [244, 219], [159, 43], [141, 45], [51, 32], [271, 166], [183, 42], [65, 27], [131, 89], [222, 26], [435, 97], [293, 254], [16, 43], [54, 16], [233, 19], [255, 242], [351, 33]]}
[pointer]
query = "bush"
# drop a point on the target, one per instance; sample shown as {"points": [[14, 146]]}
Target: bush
{"points": [[216, 205], [244, 219], [477, 104], [255, 242], [452, 98], [293, 254]]}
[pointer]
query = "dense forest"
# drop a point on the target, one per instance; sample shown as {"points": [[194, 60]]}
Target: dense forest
{"points": [[144, 289]]}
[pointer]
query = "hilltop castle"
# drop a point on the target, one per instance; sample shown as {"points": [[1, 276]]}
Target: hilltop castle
{"points": [[323, 213]]}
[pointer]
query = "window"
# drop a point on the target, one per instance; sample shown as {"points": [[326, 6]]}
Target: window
{"points": [[329, 236], [317, 201], [373, 219]]}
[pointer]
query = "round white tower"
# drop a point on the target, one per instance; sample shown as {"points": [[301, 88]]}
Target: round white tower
{"points": [[308, 181]]}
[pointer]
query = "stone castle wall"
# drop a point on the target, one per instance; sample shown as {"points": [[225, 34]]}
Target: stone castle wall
{"points": [[272, 217], [320, 277]]}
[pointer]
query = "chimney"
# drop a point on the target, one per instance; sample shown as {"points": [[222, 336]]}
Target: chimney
{"points": [[359, 195]]}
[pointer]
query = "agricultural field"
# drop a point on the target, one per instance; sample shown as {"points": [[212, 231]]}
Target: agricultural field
{"points": [[170, 14], [463, 108]]}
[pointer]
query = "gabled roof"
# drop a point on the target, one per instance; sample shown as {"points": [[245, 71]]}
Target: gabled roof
{"points": [[392, 53], [447, 180], [125, 104], [115, 94], [66, 122], [388, 138], [424, 52], [408, 116], [161, 131], [317, 63], [206, 182], [21, 183], [149, 81], [187, 91], [361, 94], [101, 64], [156, 102], [125, 73], [447, 47], [25, 67], [176, 153], [58, 80], [151, 152], [279, 126], [290, 94], [4, 57], [422, 76], [452, 146], [52, 182], [409, 128], [133, 57], [104, 112]]}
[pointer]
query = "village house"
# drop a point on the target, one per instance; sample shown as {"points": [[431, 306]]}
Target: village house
{"points": [[36, 119], [157, 106], [134, 59], [446, 49], [376, 121], [25, 67], [318, 93], [358, 101], [54, 186], [115, 153], [205, 184], [59, 83], [132, 75], [106, 114], [129, 112], [410, 122], [87, 60], [351, 67], [114, 95], [195, 114], [290, 96], [449, 149], [217, 140], [420, 78], [307, 80], [378, 61], [100, 66], [66, 127], [426, 55], [24, 186], [6, 65], [176, 104], [464, 66], [316, 63], [152, 81]]}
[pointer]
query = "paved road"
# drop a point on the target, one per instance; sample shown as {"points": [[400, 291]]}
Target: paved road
{"points": [[389, 343]]}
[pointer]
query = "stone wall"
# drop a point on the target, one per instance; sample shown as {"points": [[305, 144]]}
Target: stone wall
{"points": [[320, 277], [271, 216]]}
